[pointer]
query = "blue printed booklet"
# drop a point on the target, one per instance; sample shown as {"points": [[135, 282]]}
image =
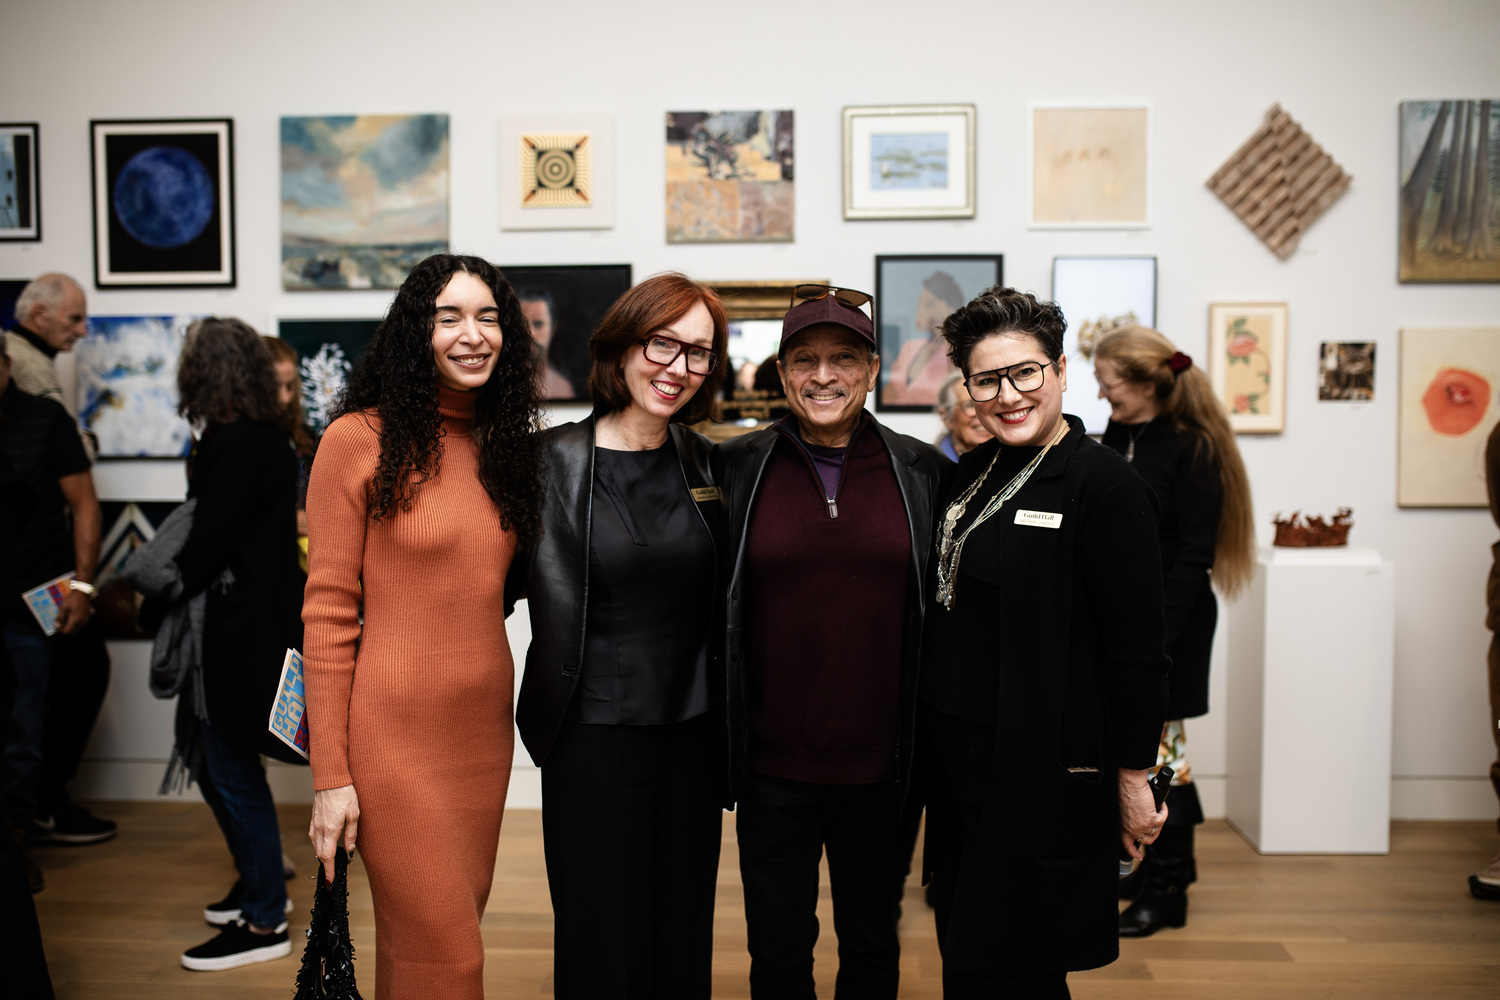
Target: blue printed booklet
{"points": [[289, 713], [45, 601]]}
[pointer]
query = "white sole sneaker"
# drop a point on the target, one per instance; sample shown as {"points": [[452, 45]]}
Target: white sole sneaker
{"points": [[237, 946]]}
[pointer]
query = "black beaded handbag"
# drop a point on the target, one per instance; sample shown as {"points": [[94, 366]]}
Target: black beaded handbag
{"points": [[327, 971]]}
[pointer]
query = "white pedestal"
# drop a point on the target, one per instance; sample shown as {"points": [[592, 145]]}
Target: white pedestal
{"points": [[1311, 667]]}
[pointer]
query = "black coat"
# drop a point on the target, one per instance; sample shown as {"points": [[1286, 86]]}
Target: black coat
{"points": [[1191, 495], [922, 473], [553, 575], [1083, 684]]}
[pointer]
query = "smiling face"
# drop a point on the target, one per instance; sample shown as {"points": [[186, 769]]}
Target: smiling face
{"points": [[1019, 418], [466, 334], [827, 371], [662, 390], [1129, 402]]}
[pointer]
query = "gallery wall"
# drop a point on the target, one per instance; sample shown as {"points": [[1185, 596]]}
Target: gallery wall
{"points": [[1209, 72]]}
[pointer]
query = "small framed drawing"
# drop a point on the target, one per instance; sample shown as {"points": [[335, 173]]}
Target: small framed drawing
{"points": [[1247, 364], [1089, 166], [1449, 380], [164, 203], [557, 171], [20, 183], [1097, 295], [913, 296], [913, 161], [564, 304]]}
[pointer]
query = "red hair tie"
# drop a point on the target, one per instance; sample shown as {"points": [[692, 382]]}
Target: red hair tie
{"points": [[1179, 363]]}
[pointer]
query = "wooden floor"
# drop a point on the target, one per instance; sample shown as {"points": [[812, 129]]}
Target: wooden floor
{"points": [[115, 916]]}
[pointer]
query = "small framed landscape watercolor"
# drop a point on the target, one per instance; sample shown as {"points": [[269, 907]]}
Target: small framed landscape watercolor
{"points": [[1247, 364], [20, 186], [913, 161]]}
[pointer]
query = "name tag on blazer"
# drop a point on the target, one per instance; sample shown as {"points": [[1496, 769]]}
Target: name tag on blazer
{"points": [[1039, 518], [706, 493]]}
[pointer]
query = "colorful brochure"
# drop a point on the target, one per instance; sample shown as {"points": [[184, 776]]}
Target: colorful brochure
{"points": [[46, 601], [289, 713]]}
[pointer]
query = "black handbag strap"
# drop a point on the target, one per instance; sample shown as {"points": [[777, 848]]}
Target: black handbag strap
{"points": [[327, 971]]}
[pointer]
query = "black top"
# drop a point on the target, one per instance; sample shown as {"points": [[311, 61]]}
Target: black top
{"points": [[966, 646], [652, 569], [43, 445]]}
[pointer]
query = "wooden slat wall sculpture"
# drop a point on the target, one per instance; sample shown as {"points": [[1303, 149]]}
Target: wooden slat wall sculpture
{"points": [[1279, 182]]}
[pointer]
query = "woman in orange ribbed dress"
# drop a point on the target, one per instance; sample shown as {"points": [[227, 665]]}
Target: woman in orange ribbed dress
{"points": [[422, 486]]}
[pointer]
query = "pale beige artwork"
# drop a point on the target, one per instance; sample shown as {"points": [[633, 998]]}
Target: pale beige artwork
{"points": [[1247, 364], [1089, 167], [1449, 381]]}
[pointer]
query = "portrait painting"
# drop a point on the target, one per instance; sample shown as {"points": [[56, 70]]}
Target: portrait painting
{"points": [[164, 203], [20, 183], [127, 385], [1098, 295], [363, 198], [1090, 167], [1449, 380], [564, 304], [557, 171], [1247, 364], [326, 352], [913, 296], [909, 162], [127, 525], [1346, 371], [730, 177], [1450, 170]]}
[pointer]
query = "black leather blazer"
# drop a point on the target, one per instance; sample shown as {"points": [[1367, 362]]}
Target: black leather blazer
{"points": [[922, 473], [553, 575]]}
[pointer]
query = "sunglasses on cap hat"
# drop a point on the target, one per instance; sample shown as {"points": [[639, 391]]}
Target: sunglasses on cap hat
{"points": [[845, 296]]}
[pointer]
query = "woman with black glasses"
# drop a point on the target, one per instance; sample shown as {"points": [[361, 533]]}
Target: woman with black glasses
{"points": [[618, 700], [1043, 671]]}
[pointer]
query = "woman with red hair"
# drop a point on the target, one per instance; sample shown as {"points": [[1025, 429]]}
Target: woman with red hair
{"points": [[618, 699]]}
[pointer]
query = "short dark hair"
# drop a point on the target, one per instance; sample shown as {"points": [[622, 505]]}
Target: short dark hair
{"points": [[225, 373], [656, 302], [944, 288], [532, 293], [998, 309]]}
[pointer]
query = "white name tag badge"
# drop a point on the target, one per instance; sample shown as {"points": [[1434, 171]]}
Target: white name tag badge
{"points": [[1039, 518]]}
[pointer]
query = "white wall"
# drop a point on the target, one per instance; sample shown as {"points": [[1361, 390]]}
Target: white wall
{"points": [[1209, 70]]}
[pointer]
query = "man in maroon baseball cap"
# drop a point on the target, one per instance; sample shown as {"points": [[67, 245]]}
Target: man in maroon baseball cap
{"points": [[831, 521]]}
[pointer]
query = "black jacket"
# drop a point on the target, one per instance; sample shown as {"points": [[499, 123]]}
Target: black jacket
{"points": [[922, 473], [553, 575]]}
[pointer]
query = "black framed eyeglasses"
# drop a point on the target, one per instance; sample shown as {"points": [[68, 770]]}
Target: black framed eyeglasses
{"points": [[845, 296], [661, 350], [1027, 376]]}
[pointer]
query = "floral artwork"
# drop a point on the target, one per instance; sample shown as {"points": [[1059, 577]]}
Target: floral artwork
{"points": [[1449, 380], [1247, 364], [729, 176], [127, 386], [326, 352]]}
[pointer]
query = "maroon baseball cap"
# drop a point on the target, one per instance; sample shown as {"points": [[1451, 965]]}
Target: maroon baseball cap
{"points": [[828, 309]]}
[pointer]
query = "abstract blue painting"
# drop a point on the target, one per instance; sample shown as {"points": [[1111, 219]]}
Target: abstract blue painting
{"points": [[906, 162], [127, 386]]}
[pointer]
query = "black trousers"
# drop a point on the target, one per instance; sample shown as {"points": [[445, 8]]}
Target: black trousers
{"points": [[76, 685], [23, 964], [631, 824], [784, 827]]}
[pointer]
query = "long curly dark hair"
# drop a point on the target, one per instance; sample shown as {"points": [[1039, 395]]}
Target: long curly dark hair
{"points": [[397, 377]]}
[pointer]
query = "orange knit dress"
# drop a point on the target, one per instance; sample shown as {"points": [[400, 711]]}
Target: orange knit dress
{"points": [[417, 711]]}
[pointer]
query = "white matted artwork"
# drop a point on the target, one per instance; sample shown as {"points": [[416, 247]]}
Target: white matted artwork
{"points": [[1097, 294], [1089, 166], [557, 171], [1449, 379], [911, 161]]}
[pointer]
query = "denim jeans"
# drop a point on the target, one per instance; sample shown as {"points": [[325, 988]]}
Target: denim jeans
{"points": [[31, 656], [235, 789]]}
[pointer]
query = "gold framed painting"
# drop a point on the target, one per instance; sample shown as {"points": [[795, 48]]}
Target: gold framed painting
{"points": [[1247, 363], [1449, 379], [1089, 166]]}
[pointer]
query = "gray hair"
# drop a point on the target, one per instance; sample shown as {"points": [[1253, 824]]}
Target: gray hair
{"points": [[947, 393], [47, 290]]}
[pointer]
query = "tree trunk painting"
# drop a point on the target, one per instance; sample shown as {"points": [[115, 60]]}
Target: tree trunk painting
{"points": [[1450, 157], [1442, 233], [1414, 194], [1481, 243]]}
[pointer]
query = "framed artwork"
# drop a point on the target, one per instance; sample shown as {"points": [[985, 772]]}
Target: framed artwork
{"points": [[1247, 364], [1346, 371], [163, 203], [730, 177], [127, 525], [564, 305], [1449, 379], [127, 386], [326, 352], [363, 198], [20, 183], [752, 396], [913, 161], [1089, 166], [913, 296], [1096, 295], [10, 291], [1450, 168], [557, 171]]}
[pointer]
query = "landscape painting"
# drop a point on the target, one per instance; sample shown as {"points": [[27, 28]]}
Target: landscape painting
{"points": [[363, 198], [912, 161], [1449, 379], [127, 386], [1450, 167], [730, 176]]}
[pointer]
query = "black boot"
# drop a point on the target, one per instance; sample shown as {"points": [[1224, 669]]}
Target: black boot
{"points": [[1163, 898]]}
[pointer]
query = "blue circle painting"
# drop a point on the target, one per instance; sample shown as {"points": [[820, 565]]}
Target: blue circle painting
{"points": [[164, 197]]}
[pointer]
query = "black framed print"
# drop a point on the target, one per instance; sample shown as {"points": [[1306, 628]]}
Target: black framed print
{"points": [[20, 183], [913, 295]]}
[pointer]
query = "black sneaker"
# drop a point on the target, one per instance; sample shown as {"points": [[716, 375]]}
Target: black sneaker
{"points": [[227, 910], [237, 945], [72, 824]]}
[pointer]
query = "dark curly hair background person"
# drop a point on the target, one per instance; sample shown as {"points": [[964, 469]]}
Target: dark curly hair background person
{"points": [[421, 489]]}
